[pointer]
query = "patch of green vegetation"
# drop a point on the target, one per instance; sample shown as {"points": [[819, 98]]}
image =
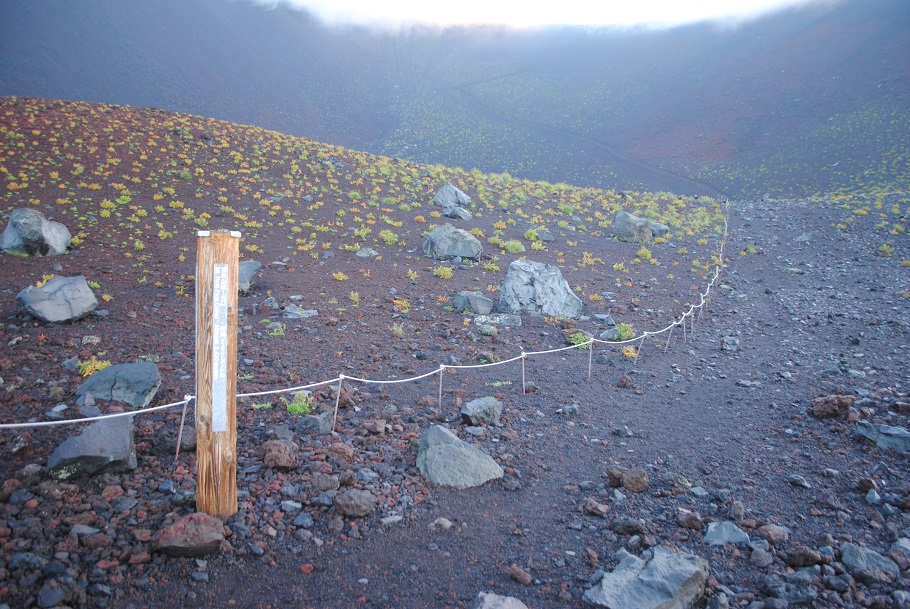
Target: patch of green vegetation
{"points": [[302, 403]]}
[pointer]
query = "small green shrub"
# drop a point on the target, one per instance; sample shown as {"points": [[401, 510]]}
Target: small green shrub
{"points": [[91, 366], [301, 404], [578, 338], [513, 246], [443, 272], [624, 332]]}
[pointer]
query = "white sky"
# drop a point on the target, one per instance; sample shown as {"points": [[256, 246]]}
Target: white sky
{"points": [[539, 13]]}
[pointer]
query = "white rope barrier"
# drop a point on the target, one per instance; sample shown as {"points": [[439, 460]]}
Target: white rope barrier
{"points": [[442, 367], [102, 417]]}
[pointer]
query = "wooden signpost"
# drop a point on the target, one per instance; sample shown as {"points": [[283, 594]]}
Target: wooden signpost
{"points": [[216, 372]]}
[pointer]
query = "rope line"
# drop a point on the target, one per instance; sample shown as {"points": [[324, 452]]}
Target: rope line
{"points": [[102, 417], [442, 367]]}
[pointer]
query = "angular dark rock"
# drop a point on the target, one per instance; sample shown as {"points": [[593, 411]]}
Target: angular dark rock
{"points": [[355, 503], [660, 578], [448, 461], [482, 410], [246, 270], [627, 227], [475, 302], [537, 288], [194, 535], [450, 196], [136, 384], [104, 446], [30, 233], [61, 299], [445, 242]]}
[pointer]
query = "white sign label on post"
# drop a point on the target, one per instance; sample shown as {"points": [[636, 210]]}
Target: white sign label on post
{"points": [[219, 348]]}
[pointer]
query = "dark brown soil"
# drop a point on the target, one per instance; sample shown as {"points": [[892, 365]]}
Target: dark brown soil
{"points": [[816, 311]]}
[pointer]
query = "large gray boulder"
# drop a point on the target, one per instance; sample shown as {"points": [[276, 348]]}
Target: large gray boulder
{"points": [[59, 300], [886, 437], [660, 579], [446, 242], [29, 233], [627, 227], [538, 289], [449, 196], [104, 446], [135, 384], [245, 272], [447, 461]]}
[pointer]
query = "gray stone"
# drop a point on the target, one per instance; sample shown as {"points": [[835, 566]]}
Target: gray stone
{"points": [[487, 330], [545, 235], [627, 227], [729, 343], [355, 503], [658, 229], [304, 520], [457, 213], [885, 436], [291, 507], [136, 384], [104, 446], [280, 454], [366, 252], [482, 410], [537, 288], [475, 302], [866, 565], [447, 461], [26, 560], [449, 196], [314, 423], [29, 233], [292, 311], [489, 600], [61, 299], [793, 588], [660, 579], [445, 242], [720, 533], [245, 272], [193, 535], [498, 319], [52, 594], [901, 547]]}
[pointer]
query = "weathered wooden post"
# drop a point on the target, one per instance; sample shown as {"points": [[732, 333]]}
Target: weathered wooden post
{"points": [[216, 375]]}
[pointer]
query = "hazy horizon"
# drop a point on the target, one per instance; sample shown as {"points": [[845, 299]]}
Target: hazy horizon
{"points": [[793, 103]]}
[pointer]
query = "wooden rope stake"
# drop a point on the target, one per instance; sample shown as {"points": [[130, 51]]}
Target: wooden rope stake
{"points": [[524, 391], [685, 337], [442, 368], [590, 358], [337, 402], [669, 336], [180, 432], [640, 346]]}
